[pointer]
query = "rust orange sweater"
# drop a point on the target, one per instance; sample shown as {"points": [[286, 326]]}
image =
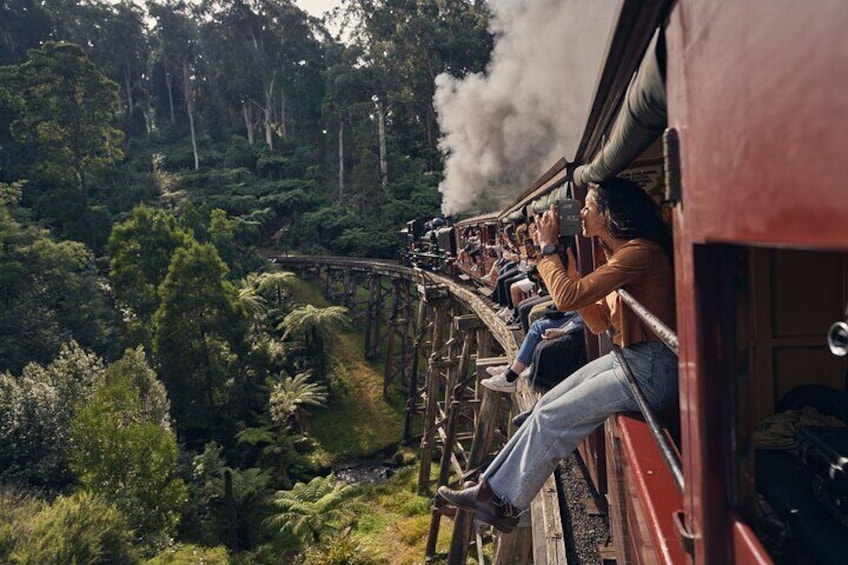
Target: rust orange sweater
{"points": [[641, 267]]}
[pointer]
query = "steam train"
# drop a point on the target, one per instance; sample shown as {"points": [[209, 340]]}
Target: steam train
{"points": [[735, 115], [462, 248]]}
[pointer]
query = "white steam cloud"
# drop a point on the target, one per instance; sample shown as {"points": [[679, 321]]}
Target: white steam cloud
{"points": [[503, 128]]}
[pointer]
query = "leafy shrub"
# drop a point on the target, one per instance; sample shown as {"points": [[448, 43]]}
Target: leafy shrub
{"points": [[191, 555], [122, 455], [36, 410], [82, 528], [338, 550], [16, 512]]}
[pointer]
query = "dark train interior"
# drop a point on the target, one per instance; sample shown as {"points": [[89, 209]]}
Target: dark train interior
{"points": [[787, 427]]}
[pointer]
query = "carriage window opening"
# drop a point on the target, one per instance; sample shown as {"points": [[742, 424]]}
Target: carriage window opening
{"points": [[789, 426]]}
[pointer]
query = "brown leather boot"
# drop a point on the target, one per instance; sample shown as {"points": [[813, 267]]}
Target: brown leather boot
{"points": [[486, 505]]}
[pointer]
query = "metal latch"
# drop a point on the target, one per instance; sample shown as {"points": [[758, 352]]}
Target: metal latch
{"points": [[837, 337], [673, 181], [687, 538]]}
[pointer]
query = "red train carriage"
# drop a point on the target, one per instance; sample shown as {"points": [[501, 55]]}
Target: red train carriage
{"points": [[736, 115], [758, 96]]}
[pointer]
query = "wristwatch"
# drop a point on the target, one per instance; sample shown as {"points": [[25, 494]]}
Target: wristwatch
{"points": [[549, 249]]}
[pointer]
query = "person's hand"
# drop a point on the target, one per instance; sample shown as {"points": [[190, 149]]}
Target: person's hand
{"points": [[553, 333], [534, 231], [548, 227], [572, 271]]}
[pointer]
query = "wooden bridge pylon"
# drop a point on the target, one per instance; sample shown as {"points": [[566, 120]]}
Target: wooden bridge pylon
{"points": [[400, 335], [378, 295], [466, 408], [460, 421]]}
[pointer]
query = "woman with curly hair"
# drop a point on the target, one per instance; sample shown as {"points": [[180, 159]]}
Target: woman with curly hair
{"points": [[637, 244]]}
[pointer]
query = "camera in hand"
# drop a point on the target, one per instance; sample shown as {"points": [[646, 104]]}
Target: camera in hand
{"points": [[568, 216]]}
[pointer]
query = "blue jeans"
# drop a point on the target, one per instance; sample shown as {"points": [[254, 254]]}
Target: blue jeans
{"points": [[572, 410], [534, 336]]}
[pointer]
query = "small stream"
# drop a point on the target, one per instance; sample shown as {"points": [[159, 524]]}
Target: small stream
{"points": [[367, 472]]}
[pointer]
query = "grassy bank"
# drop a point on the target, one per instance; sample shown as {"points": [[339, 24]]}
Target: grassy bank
{"points": [[391, 519]]}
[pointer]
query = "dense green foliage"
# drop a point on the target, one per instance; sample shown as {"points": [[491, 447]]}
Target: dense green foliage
{"points": [[122, 452], [50, 291], [78, 529], [157, 374], [36, 411]]}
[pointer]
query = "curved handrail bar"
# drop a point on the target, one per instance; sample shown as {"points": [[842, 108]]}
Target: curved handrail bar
{"points": [[667, 451], [666, 334], [670, 340]]}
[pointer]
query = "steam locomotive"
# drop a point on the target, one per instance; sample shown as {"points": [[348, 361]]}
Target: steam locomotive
{"points": [[460, 248]]}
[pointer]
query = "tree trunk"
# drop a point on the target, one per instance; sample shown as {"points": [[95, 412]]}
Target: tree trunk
{"points": [[431, 130], [128, 86], [149, 116], [169, 84], [247, 112], [189, 100], [193, 139], [341, 159], [83, 186], [269, 131], [232, 513], [268, 113], [320, 356], [284, 133], [381, 134]]}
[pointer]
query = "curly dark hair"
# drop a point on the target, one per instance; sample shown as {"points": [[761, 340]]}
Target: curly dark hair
{"points": [[629, 212]]}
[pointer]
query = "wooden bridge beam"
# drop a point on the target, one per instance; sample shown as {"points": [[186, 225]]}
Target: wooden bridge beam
{"points": [[401, 328], [431, 387]]}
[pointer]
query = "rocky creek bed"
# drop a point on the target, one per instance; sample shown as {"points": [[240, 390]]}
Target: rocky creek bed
{"points": [[370, 472]]}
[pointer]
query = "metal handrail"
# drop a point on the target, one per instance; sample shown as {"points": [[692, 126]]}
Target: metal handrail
{"points": [[662, 331], [670, 340], [666, 450]]}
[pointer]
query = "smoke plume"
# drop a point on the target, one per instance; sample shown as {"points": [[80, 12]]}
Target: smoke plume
{"points": [[503, 128]]}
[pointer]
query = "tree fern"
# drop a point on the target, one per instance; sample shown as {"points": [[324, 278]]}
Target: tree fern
{"points": [[291, 395], [311, 508], [307, 319], [314, 325]]}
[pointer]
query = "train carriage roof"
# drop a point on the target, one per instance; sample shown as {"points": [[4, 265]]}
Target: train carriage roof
{"points": [[479, 219]]}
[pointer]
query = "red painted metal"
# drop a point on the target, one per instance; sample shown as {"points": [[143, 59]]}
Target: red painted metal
{"points": [[758, 92], [747, 549], [652, 496]]}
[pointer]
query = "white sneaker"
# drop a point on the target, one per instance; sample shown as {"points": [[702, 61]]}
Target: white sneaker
{"points": [[496, 370], [500, 384], [506, 313], [526, 372]]}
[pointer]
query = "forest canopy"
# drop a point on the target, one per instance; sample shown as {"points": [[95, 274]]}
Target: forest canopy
{"points": [[151, 158]]}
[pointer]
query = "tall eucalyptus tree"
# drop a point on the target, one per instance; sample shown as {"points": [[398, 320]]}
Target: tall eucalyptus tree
{"points": [[262, 47], [178, 51], [123, 55]]}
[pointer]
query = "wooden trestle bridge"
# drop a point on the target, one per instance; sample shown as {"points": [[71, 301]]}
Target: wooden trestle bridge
{"points": [[437, 338]]}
